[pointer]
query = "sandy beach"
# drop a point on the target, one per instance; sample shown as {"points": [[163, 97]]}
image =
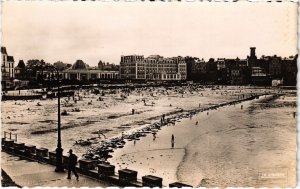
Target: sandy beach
{"points": [[229, 146], [112, 116]]}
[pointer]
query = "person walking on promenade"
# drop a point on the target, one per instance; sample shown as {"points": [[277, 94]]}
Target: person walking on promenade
{"points": [[71, 165]]}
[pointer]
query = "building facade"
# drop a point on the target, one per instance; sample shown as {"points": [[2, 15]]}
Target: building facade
{"points": [[107, 66], [152, 64], [259, 76], [8, 63], [221, 64], [89, 74], [289, 70], [182, 67], [199, 66], [7, 69], [20, 70], [275, 67], [154, 67], [132, 67], [82, 72]]}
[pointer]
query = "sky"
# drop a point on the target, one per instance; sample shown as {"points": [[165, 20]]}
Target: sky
{"points": [[92, 31]]}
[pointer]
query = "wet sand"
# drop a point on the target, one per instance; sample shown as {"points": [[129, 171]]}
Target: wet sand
{"points": [[228, 147]]}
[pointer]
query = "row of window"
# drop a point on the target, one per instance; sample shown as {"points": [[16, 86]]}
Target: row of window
{"points": [[171, 64], [93, 76]]}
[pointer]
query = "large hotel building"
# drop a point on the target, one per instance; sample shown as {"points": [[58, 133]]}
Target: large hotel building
{"points": [[154, 67]]}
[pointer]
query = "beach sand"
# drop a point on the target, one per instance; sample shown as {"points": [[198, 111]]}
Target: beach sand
{"points": [[37, 124], [228, 147]]}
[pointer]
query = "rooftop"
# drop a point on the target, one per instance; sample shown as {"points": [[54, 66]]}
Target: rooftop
{"points": [[3, 50], [10, 59], [80, 65], [21, 64]]}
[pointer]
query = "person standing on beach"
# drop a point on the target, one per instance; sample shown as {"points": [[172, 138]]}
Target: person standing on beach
{"points": [[172, 141], [122, 137], [154, 136], [71, 165]]}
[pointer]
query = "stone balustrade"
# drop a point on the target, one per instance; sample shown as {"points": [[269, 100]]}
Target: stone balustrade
{"points": [[86, 164], [179, 185], [127, 175], [152, 181], [52, 157], [29, 149], [106, 172], [65, 160], [8, 143], [42, 152], [106, 169], [19, 146]]}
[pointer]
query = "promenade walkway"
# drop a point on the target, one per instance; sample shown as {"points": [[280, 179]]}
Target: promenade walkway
{"points": [[32, 174]]}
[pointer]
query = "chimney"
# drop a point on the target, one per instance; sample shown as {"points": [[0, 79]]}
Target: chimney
{"points": [[252, 52]]}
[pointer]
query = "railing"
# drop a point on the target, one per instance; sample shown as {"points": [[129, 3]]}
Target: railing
{"points": [[21, 94], [10, 134]]}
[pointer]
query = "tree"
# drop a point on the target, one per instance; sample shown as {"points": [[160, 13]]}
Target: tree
{"points": [[60, 65], [34, 65]]}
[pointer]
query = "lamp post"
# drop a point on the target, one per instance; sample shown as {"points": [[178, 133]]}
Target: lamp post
{"points": [[19, 87], [59, 151]]}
